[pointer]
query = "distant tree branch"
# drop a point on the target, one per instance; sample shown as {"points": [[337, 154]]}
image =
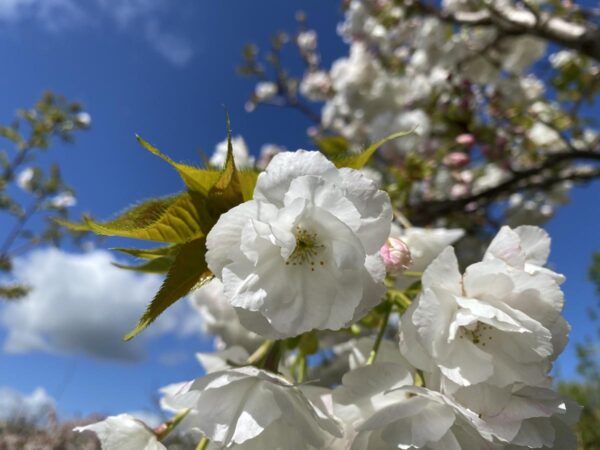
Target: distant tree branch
{"points": [[543, 176], [583, 37]]}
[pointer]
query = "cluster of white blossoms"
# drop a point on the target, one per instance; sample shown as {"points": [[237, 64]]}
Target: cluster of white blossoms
{"points": [[465, 366], [410, 67]]}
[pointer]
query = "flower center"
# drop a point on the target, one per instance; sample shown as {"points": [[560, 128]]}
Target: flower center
{"points": [[477, 334], [307, 249]]}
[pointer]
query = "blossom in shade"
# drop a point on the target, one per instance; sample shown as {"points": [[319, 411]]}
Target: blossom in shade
{"points": [[256, 409], [124, 432], [219, 318], [383, 411]]}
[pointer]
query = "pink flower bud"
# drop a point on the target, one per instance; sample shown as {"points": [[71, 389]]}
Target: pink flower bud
{"points": [[396, 256], [159, 430], [465, 139], [456, 160]]}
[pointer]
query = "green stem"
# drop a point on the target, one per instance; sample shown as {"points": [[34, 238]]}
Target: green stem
{"points": [[406, 301], [302, 369], [172, 423], [203, 443], [419, 378], [413, 274], [384, 322], [260, 353], [271, 360]]}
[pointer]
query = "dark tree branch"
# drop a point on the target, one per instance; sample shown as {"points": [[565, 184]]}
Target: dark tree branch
{"points": [[582, 37], [545, 175]]}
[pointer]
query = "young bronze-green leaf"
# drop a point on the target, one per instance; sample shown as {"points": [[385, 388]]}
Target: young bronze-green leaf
{"points": [[195, 179], [156, 265], [189, 270], [359, 160], [175, 219]]}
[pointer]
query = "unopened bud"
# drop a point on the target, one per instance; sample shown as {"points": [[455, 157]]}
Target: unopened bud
{"points": [[396, 256], [161, 429], [465, 139], [456, 160]]}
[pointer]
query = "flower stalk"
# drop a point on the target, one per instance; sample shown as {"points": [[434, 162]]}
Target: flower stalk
{"points": [[384, 322]]}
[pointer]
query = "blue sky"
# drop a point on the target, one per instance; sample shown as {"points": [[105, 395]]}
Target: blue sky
{"points": [[166, 72]]}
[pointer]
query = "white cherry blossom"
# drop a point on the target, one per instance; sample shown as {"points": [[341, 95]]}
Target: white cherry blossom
{"points": [[383, 411], [496, 324], [265, 91], [124, 432], [304, 254], [424, 245], [241, 155], [523, 416], [253, 408], [25, 178], [219, 318], [526, 248]]}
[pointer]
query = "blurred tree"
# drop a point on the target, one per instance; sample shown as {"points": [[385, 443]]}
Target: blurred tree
{"points": [[587, 391], [27, 190]]}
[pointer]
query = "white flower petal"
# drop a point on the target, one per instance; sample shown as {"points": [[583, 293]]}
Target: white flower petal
{"points": [[124, 432], [275, 181]]}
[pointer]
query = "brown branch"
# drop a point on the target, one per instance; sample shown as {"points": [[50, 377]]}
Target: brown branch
{"points": [[582, 37], [534, 178]]}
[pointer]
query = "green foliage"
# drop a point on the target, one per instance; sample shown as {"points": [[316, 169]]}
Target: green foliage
{"points": [[594, 271], [175, 219], [29, 135], [188, 270], [183, 221], [587, 392], [587, 395], [156, 265], [333, 146], [195, 179], [359, 160], [13, 291], [149, 253]]}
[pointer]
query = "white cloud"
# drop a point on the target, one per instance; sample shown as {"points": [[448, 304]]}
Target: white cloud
{"points": [[175, 49], [127, 15], [32, 408], [81, 303], [53, 15], [173, 358], [126, 11]]}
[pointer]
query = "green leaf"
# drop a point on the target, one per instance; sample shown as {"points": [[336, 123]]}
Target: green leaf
{"points": [[196, 179], [203, 180], [227, 191], [152, 253], [359, 160], [309, 343], [13, 291], [156, 265], [189, 270], [333, 146], [175, 219], [247, 183], [5, 264]]}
